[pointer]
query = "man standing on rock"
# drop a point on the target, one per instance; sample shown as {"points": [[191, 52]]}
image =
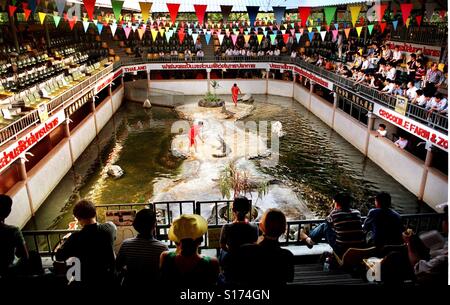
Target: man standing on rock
{"points": [[194, 132], [234, 93]]}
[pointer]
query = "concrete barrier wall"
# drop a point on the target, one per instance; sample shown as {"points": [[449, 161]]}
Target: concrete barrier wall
{"points": [[103, 113], [350, 129], [187, 86], [117, 98], [252, 86], [401, 165], [322, 109], [436, 188], [281, 88], [20, 213], [82, 136], [44, 177], [301, 95]]}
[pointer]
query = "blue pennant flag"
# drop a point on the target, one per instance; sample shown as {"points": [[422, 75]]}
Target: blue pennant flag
{"points": [[99, 28], [395, 23], [275, 32], [207, 37], [311, 36], [336, 26]]}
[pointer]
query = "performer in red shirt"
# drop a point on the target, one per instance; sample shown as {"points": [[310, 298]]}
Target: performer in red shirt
{"points": [[193, 133], [234, 93]]}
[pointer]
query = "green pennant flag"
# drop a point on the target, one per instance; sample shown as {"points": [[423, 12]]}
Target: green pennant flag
{"points": [[56, 19], [329, 14], [117, 8], [370, 28]]}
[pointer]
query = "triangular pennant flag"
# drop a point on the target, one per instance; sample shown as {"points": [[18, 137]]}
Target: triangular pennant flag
{"points": [[304, 13], [283, 32], [194, 37], [220, 36], [347, 32], [72, 22], [56, 19], [246, 38], [85, 25], [311, 36], [318, 28], [27, 13], [301, 31], [181, 35], [168, 35], [272, 38], [145, 10], [394, 24], [278, 12], [310, 29], [297, 37], [173, 10], [95, 21], [113, 28], [275, 32], [358, 29], [336, 26], [127, 31], [200, 10], [252, 13], [285, 38], [42, 17], [189, 32], [292, 32], [370, 28], [99, 28], [226, 11], [32, 4], [406, 10], [322, 34], [234, 39], [144, 26], [90, 6], [408, 21], [382, 26], [141, 32], [161, 32], [380, 10], [134, 27], [354, 11], [329, 13], [60, 4], [12, 9], [419, 19], [259, 37], [207, 37], [265, 33], [117, 8], [335, 34]]}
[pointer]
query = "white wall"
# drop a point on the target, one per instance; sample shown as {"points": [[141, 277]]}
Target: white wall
{"points": [[281, 88], [301, 94], [187, 86], [350, 129], [401, 165], [253, 86], [103, 113], [322, 109], [435, 188], [117, 98], [82, 135], [43, 178], [20, 212]]}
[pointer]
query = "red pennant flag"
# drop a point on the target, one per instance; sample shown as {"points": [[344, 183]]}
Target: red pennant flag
{"points": [[72, 22], [12, 10], [303, 13], [442, 13], [66, 18], [406, 10], [181, 35], [90, 6], [380, 11], [285, 38], [200, 10], [361, 20], [173, 10], [382, 26], [24, 5], [419, 19], [27, 13]]}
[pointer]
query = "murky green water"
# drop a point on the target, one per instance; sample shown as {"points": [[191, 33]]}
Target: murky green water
{"points": [[314, 160]]}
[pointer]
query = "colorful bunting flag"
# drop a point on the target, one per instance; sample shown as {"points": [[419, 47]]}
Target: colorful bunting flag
{"points": [[259, 37], [335, 34], [200, 10], [358, 29], [99, 28], [226, 11], [419, 19], [394, 24], [90, 6], [42, 17], [145, 10], [354, 11], [207, 37], [220, 36], [117, 8], [304, 13], [72, 21], [32, 4], [12, 9], [370, 28], [347, 32], [27, 13], [141, 32], [380, 10], [85, 25], [127, 31], [322, 34], [310, 36], [297, 37], [113, 28], [329, 13], [278, 12], [194, 37], [252, 13], [272, 38], [173, 10], [382, 26], [406, 10]]}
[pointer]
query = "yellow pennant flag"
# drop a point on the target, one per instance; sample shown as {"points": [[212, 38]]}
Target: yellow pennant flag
{"points": [[246, 38], [141, 32], [145, 10], [107, 18], [42, 17], [260, 37], [310, 29], [154, 34], [358, 29], [161, 32], [354, 10], [407, 22]]}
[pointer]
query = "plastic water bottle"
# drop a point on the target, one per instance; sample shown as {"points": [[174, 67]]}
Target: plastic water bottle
{"points": [[326, 265]]}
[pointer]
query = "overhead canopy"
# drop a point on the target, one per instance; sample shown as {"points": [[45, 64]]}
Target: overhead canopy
{"points": [[214, 5]]}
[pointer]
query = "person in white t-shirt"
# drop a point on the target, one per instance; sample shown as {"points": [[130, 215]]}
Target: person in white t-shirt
{"points": [[391, 72], [401, 142], [277, 52], [411, 92], [381, 131]]}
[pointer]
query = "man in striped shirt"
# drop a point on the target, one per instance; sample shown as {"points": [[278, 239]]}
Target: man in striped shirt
{"points": [[138, 257], [342, 228]]}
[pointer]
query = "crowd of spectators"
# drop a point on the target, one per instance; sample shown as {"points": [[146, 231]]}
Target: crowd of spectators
{"points": [[143, 260]]}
